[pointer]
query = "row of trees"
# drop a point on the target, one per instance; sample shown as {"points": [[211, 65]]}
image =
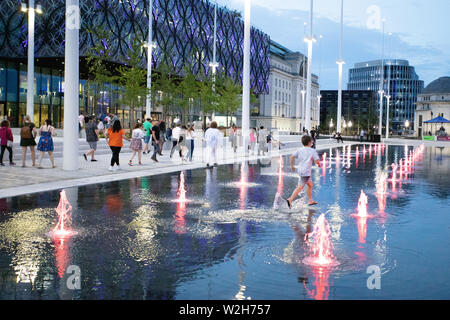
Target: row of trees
{"points": [[175, 94]]}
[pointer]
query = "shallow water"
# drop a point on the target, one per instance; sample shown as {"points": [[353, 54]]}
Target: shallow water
{"points": [[235, 241]]}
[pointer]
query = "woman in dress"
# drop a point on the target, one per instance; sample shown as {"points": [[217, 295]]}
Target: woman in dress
{"points": [[27, 136], [136, 142], [46, 142]]}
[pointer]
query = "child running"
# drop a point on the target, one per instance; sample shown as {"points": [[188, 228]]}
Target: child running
{"points": [[305, 156]]}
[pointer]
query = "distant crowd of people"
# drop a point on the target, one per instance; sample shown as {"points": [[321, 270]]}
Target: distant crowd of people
{"points": [[144, 135]]}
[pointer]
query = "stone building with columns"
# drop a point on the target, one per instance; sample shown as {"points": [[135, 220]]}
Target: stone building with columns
{"points": [[434, 101], [283, 108]]}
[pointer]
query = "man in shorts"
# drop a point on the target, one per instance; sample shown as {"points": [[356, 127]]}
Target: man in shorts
{"points": [[305, 157]]}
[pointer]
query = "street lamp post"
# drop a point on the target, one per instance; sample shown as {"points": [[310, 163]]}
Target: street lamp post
{"points": [[310, 41], [388, 96], [246, 77], [150, 46], [340, 63], [381, 91], [214, 64], [71, 90], [31, 9], [303, 91]]}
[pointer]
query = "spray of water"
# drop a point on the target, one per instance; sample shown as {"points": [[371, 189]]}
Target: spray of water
{"points": [[321, 248]]}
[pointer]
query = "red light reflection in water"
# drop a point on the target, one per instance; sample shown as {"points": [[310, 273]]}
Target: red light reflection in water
{"points": [[180, 221], [321, 283], [382, 191], [280, 175], [362, 257], [114, 204], [61, 254], [324, 164], [370, 151], [348, 157], [361, 223]]}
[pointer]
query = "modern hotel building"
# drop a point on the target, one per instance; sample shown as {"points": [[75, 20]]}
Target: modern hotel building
{"points": [[399, 80]]}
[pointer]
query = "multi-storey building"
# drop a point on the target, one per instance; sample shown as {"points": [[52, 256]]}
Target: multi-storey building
{"points": [[359, 110], [182, 30], [399, 80], [284, 106]]}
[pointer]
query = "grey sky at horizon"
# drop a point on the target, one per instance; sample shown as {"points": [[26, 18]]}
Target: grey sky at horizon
{"points": [[418, 33]]}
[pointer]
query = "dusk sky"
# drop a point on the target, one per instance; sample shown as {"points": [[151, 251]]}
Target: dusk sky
{"points": [[420, 32]]}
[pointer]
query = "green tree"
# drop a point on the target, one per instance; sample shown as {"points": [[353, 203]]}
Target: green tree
{"points": [[229, 95], [98, 67], [132, 79], [164, 89], [187, 93]]}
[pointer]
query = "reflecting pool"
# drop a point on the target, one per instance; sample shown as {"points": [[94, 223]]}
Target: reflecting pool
{"points": [[226, 233]]}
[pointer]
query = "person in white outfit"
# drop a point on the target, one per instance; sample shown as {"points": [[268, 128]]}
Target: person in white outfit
{"points": [[212, 136], [262, 141], [175, 137]]}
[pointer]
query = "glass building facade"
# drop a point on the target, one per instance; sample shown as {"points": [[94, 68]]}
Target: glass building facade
{"points": [[399, 79], [182, 31]]}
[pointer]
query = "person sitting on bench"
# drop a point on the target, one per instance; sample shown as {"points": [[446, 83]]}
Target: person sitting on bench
{"points": [[339, 137]]}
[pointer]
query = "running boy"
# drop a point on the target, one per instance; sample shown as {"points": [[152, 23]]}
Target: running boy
{"points": [[305, 156]]}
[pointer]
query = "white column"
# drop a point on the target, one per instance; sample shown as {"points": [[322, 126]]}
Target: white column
{"points": [[319, 96], [308, 80], [214, 64], [297, 100], [340, 62], [71, 86], [246, 78], [388, 97], [148, 105], [30, 63], [380, 121]]}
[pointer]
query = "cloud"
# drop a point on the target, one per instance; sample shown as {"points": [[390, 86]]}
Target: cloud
{"points": [[419, 35]]}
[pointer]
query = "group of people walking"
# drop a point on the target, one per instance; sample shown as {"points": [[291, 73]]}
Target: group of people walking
{"points": [[150, 132], [28, 134]]}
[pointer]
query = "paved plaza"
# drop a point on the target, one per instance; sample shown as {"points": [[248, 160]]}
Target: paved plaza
{"points": [[19, 181]]}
